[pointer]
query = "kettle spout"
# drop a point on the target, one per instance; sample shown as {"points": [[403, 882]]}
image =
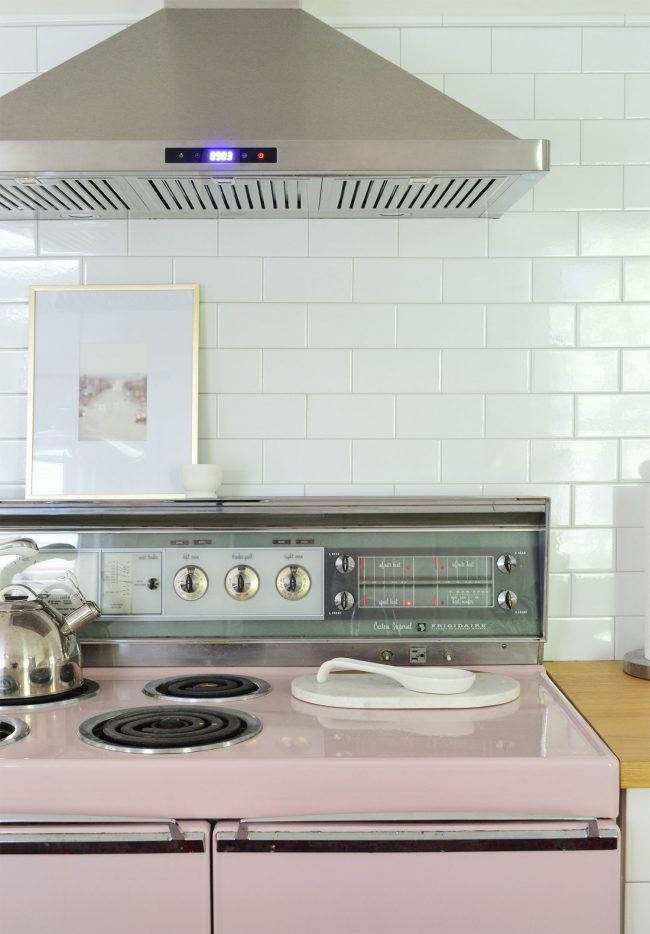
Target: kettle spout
{"points": [[81, 616]]}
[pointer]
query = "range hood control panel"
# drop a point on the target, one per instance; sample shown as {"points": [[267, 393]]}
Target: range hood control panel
{"points": [[221, 155]]}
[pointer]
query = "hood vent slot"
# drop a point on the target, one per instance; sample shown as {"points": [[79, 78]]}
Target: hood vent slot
{"points": [[426, 197], [64, 196], [220, 197]]}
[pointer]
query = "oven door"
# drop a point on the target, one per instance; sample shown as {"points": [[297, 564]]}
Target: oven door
{"points": [[464, 878], [75, 875]]}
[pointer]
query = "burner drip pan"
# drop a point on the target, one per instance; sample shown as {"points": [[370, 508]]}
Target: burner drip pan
{"points": [[11, 731], [169, 730], [85, 691], [207, 687]]}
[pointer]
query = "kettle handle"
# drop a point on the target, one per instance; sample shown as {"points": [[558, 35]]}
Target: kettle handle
{"points": [[50, 610]]}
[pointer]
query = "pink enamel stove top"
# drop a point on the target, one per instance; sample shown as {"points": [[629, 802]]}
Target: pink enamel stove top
{"points": [[532, 756]]}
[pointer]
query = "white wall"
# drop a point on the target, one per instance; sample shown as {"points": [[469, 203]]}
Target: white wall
{"points": [[435, 357]]}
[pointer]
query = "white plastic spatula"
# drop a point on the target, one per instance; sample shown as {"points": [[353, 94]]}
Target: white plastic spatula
{"points": [[424, 680]]}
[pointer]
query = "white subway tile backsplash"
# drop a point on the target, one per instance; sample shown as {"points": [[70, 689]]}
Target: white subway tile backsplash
{"points": [[9, 82], [487, 280], [241, 461], [307, 462], [208, 324], [636, 180], [528, 416], [207, 415], [382, 461], [440, 325], [349, 489], [18, 49], [565, 461], [559, 494], [442, 237], [179, 237], [120, 270], [13, 325], [382, 41], [350, 416], [497, 97], [581, 97], [438, 489], [612, 416], [13, 371], [82, 238], [412, 371], [630, 549], [230, 370], [13, 415], [571, 280], [16, 276], [436, 81], [58, 43], [590, 639], [397, 280], [615, 234], [535, 50], [265, 237], [308, 280], [351, 325], [637, 96], [559, 595], [608, 504], [245, 324], [619, 594], [634, 453], [447, 50], [636, 280], [261, 416], [574, 370], [614, 325], [630, 635], [635, 366], [302, 371], [373, 237], [449, 416], [18, 238], [581, 550], [535, 234], [12, 462], [530, 325], [485, 371], [615, 142], [580, 188], [615, 49], [564, 136], [484, 461], [223, 279]]}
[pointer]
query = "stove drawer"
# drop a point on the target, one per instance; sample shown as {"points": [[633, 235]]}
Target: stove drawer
{"points": [[423, 878], [131, 878]]}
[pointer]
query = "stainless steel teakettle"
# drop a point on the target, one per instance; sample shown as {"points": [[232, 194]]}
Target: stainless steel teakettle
{"points": [[39, 652]]}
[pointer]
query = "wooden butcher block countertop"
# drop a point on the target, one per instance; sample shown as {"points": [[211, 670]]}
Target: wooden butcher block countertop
{"points": [[618, 708]]}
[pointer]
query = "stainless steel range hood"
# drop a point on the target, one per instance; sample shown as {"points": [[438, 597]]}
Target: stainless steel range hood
{"points": [[249, 112]]}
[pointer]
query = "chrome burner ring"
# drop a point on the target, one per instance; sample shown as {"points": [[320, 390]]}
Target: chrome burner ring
{"points": [[128, 730], [18, 729]]}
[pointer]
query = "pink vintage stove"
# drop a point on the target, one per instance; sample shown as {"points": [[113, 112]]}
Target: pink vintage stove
{"points": [[187, 789]]}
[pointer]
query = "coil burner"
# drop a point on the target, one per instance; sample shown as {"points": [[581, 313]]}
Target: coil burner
{"points": [[84, 692], [197, 688], [169, 730], [11, 731]]}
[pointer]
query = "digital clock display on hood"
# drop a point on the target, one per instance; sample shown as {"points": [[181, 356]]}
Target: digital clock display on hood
{"points": [[221, 155]]}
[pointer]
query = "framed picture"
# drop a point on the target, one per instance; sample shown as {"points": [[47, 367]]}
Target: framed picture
{"points": [[113, 390]]}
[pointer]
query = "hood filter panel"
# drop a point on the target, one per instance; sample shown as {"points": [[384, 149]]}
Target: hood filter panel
{"points": [[159, 196]]}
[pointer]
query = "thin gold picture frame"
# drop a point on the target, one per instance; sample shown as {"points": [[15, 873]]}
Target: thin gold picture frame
{"points": [[35, 291]]}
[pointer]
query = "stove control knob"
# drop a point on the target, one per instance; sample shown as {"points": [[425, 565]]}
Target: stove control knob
{"points": [[344, 600], [190, 582], [345, 564], [242, 582], [293, 582], [506, 563], [507, 600]]}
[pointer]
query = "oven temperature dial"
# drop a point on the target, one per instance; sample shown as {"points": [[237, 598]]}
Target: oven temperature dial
{"points": [[293, 582], [191, 582], [242, 582], [506, 563], [507, 600]]}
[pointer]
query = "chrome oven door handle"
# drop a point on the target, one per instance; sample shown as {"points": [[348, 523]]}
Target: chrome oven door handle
{"points": [[175, 832]]}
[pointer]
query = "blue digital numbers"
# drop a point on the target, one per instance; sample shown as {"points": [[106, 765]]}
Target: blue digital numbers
{"points": [[221, 155]]}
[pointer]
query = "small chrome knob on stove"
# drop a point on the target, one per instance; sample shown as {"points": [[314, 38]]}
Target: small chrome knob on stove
{"points": [[293, 582], [241, 582], [190, 582], [344, 600], [506, 563], [345, 564], [507, 600]]}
